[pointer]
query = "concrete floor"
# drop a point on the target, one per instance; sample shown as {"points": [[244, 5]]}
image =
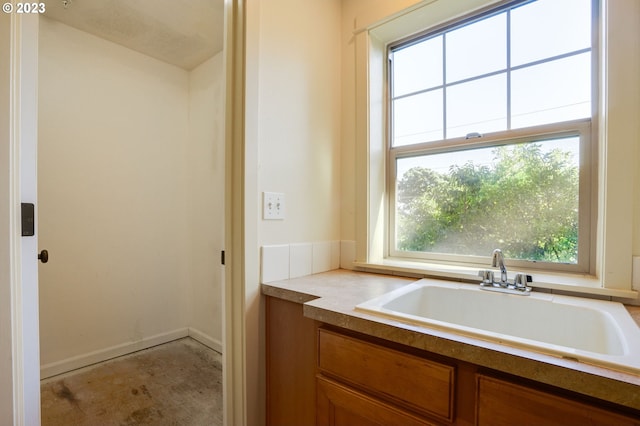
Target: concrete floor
{"points": [[178, 383]]}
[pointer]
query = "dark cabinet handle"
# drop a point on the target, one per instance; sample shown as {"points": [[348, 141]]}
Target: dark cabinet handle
{"points": [[43, 256]]}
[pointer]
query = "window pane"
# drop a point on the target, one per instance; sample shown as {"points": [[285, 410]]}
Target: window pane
{"points": [[477, 106], [417, 67], [477, 49], [522, 198], [551, 92], [547, 28], [417, 118]]}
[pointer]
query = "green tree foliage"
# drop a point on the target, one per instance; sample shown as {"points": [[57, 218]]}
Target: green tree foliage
{"points": [[525, 203]]}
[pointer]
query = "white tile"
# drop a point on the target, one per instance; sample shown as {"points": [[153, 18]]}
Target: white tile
{"points": [[335, 254], [300, 259], [347, 254], [275, 263], [321, 257]]}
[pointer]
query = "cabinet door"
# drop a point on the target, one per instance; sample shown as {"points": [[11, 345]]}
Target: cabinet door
{"points": [[339, 405], [503, 403], [291, 361], [415, 383]]}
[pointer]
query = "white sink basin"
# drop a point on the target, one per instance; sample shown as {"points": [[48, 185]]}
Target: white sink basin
{"points": [[594, 331]]}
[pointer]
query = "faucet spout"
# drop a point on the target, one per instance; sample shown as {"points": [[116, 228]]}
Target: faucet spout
{"points": [[497, 260], [518, 286]]}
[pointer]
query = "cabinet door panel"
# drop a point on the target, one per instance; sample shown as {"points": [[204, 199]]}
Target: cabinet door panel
{"points": [[341, 406], [413, 382], [503, 403], [291, 362]]}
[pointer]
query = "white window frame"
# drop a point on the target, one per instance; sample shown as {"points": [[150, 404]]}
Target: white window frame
{"points": [[580, 128], [611, 273]]}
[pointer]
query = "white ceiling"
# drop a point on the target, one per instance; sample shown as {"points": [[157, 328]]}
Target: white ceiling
{"points": [[181, 32]]}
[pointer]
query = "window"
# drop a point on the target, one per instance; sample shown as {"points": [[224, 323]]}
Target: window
{"points": [[612, 185], [490, 138]]}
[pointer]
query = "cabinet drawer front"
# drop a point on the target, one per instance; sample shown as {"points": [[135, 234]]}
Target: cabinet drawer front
{"points": [[402, 379], [504, 403], [341, 406]]}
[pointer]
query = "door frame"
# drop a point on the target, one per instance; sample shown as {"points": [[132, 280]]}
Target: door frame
{"points": [[19, 367], [234, 326], [19, 333]]}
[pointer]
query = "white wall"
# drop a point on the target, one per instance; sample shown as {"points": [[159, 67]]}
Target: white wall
{"points": [[293, 125], [113, 195], [299, 118], [623, 108], [206, 198], [356, 14]]}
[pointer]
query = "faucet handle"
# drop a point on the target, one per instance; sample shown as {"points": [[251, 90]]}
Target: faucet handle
{"points": [[487, 276], [521, 280]]}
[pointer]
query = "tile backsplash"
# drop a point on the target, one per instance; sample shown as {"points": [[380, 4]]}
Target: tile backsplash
{"points": [[300, 260], [275, 263], [284, 261]]}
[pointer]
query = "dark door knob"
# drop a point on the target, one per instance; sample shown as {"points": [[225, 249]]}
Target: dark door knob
{"points": [[43, 256]]}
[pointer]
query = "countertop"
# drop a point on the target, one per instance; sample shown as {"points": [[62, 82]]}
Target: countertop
{"points": [[330, 298]]}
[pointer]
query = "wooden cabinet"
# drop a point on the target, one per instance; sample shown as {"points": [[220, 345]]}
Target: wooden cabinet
{"points": [[407, 382], [291, 350], [319, 375], [502, 403], [339, 405]]}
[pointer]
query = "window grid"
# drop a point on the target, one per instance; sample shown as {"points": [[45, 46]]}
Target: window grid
{"points": [[499, 138], [507, 71]]}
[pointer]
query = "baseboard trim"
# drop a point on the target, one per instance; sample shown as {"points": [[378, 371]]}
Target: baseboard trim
{"points": [[205, 339], [84, 360]]}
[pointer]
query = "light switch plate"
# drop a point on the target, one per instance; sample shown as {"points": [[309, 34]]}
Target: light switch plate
{"points": [[273, 206]]}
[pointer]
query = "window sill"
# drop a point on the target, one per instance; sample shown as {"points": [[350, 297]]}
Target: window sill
{"points": [[571, 284]]}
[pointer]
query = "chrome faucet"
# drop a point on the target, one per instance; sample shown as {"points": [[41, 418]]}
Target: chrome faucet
{"points": [[518, 286], [497, 259]]}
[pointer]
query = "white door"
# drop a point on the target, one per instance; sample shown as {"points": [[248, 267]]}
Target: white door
{"points": [[6, 227], [20, 331], [28, 104]]}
